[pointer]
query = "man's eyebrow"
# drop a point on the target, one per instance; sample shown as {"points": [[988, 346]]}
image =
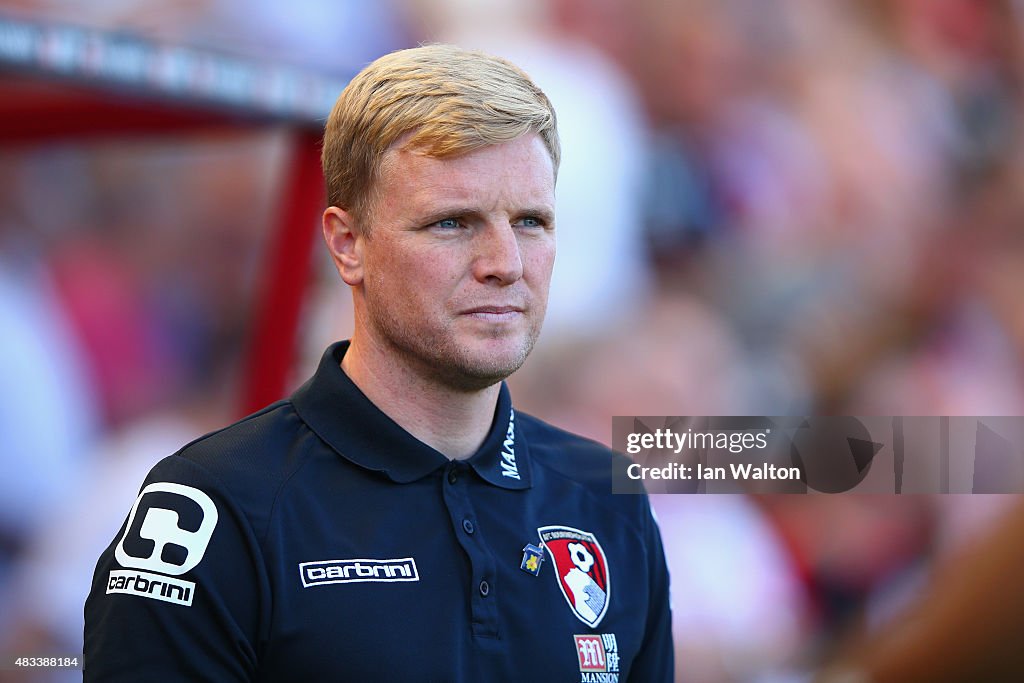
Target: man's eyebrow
{"points": [[434, 215], [546, 214]]}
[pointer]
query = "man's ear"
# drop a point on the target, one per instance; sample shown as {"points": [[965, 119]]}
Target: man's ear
{"points": [[345, 244]]}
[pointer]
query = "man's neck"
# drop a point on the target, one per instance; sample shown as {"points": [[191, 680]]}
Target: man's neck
{"points": [[453, 422]]}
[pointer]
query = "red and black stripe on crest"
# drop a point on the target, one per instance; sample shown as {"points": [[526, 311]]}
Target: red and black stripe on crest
{"points": [[598, 572]]}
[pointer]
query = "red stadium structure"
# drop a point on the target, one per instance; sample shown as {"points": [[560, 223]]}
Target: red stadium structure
{"points": [[63, 82]]}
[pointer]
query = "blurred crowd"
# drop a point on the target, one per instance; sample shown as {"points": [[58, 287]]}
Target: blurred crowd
{"points": [[777, 207]]}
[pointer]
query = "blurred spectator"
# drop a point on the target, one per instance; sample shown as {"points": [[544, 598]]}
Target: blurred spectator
{"points": [[152, 283], [739, 610], [47, 414], [849, 549], [54, 576], [967, 626], [158, 290]]}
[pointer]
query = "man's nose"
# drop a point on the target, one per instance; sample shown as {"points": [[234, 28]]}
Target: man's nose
{"points": [[498, 257]]}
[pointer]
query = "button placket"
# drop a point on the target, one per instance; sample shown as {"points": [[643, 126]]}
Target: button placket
{"points": [[457, 483]]}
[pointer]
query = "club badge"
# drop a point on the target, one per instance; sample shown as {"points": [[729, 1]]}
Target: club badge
{"points": [[581, 570]]}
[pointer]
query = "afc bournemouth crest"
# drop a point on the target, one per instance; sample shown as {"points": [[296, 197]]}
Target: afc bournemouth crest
{"points": [[581, 570]]}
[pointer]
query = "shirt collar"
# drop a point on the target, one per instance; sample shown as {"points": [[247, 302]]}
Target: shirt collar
{"points": [[340, 414]]}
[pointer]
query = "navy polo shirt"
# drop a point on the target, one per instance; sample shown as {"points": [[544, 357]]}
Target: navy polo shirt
{"points": [[318, 540]]}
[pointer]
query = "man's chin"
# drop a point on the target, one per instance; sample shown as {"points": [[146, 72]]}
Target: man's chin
{"points": [[477, 369], [478, 376], [464, 362]]}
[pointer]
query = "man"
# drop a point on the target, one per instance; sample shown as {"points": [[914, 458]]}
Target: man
{"points": [[396, 519]]}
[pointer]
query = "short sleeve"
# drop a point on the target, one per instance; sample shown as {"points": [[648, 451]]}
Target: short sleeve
{"points": [[181, 593], [655, 662]]}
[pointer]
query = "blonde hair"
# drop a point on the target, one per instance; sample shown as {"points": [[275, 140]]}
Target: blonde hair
{"points": [[446, 100]]}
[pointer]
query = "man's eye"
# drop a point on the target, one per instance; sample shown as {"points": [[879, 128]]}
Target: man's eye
{"points": [[531, 222], [447, 223]]}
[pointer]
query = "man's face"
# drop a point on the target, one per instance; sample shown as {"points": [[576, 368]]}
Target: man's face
{"points": [[458, 262]]}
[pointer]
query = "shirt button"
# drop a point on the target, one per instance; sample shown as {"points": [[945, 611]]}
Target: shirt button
{"points": [[452, 477], [468, 526], [485, 588]]}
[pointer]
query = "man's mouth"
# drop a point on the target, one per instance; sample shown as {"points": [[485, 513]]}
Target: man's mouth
{"points": [[494, 313]]}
